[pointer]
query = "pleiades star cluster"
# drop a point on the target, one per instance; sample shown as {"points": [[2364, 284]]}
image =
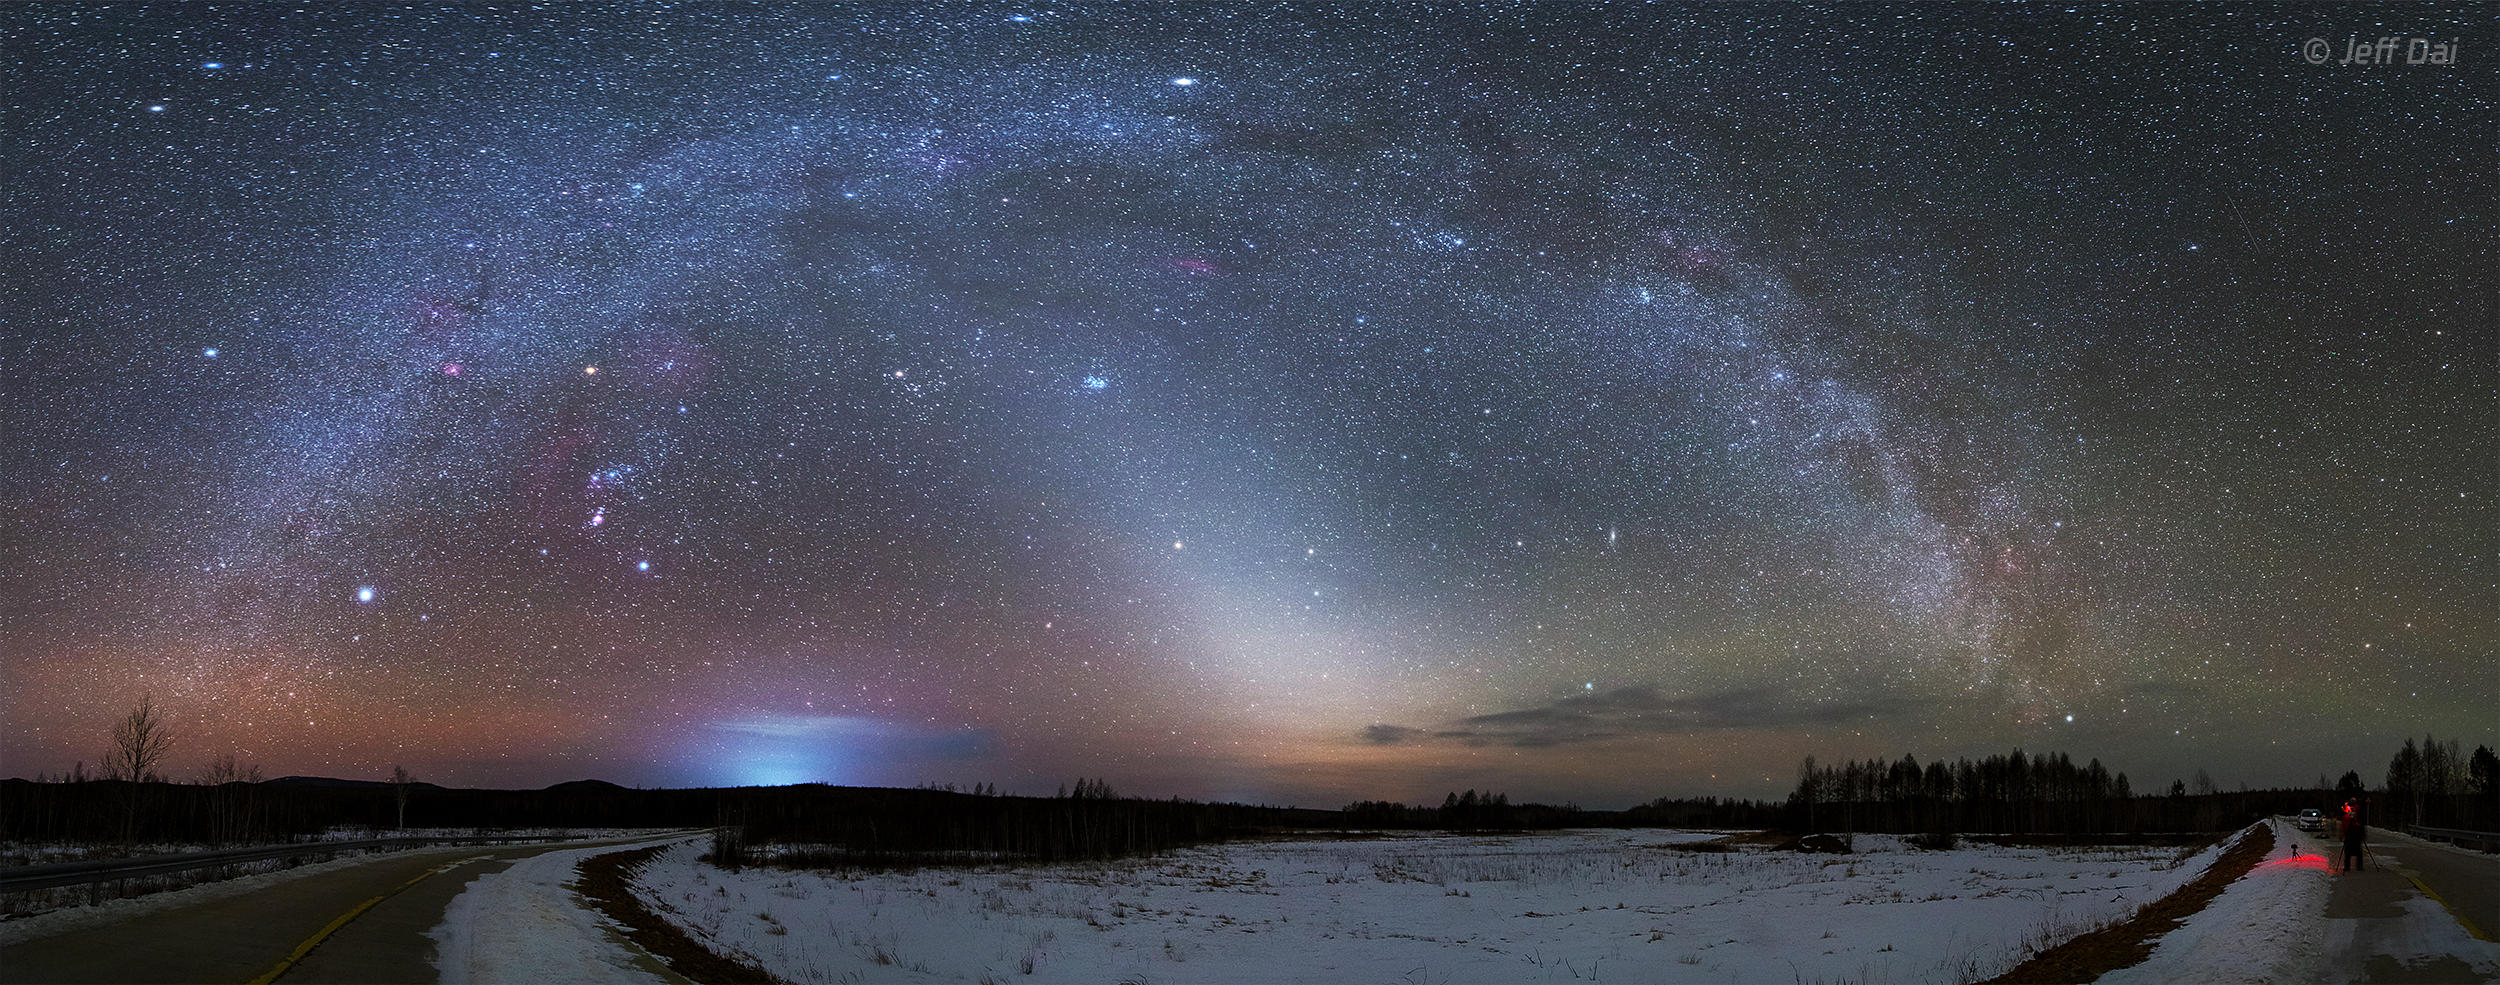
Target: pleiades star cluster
{"points": [[1279, 402]]}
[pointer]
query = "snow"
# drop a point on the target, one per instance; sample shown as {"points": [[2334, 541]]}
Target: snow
{"points": [[1591, 905], [2267, 927], [525, 924], [2271, 926], [2425, 937]]}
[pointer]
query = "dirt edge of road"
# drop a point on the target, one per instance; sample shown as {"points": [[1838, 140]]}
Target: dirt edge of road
{"points": [[2128, 942], [606, 881]]}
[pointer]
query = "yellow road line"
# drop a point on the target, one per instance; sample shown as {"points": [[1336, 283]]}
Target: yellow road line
{"points": [[2417, 882], [315, 940]]}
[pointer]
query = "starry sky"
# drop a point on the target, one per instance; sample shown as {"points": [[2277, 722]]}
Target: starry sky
{"points": [[1292, 403]]}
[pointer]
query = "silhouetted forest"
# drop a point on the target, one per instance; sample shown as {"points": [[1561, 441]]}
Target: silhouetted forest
{"points": [[826, 825], [2431, 783], [294, 808], [2026, 795]]}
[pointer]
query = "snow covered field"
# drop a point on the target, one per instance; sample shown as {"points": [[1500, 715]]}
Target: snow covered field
{"points": [[1426, 909]]}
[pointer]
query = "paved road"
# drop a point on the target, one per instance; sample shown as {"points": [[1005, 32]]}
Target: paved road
{"points": [[2371, 936], [2468, 881], [245, 937]]}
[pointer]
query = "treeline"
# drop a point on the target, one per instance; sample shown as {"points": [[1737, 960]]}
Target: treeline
{"points": [[873, 826], [1706, 812], [2430, 782], [296, 808], [1469, 811], [2433, 783], [2017, 794], [1472, 811]]}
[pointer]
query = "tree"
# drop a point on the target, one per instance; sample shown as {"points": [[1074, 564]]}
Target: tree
{"points": [[2483, 773], [400, 778], [1808, 780], [140, 741], [2404, 781], [227, 769], [231, 798]]}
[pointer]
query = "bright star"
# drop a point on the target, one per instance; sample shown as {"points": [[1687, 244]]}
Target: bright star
{"points": [[364, 593], [590, 371], [1176, 545], [157, 108], [212, 65], [1184, 81], [642, 565], [210, 352]]}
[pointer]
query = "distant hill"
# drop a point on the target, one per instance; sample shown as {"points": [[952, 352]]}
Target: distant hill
{"points": [[334, 783], [585, 786]]}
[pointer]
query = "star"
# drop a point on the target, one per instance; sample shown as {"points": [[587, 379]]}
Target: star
{"points": [[902, 265]]}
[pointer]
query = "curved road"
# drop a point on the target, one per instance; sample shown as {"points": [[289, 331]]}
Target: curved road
{"points": [[249, 936]]}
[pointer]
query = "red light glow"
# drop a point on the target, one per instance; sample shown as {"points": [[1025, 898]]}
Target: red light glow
{"points": [[2304, 860]]}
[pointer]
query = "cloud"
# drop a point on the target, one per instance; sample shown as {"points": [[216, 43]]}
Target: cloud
{"points": [[1629, 712]]}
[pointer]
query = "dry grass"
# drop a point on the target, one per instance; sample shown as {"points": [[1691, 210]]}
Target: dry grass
{"points": [[604, 882]]}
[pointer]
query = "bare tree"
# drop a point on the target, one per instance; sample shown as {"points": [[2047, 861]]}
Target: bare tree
{"points": [[232, 800], [227, 769], [140, 741], [400, 778]]}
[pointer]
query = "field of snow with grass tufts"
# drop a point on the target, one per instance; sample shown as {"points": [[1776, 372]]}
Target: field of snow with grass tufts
{"points": [[1425, 909]]}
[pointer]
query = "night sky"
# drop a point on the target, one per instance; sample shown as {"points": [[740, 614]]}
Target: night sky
{"points": [[1285, 403]]}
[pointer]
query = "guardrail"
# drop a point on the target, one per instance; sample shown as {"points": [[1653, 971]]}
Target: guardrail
{"points": [[2479, 840], [56, 874]]}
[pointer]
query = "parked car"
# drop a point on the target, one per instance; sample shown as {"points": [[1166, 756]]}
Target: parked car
{"points": [[2310, 819]]}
